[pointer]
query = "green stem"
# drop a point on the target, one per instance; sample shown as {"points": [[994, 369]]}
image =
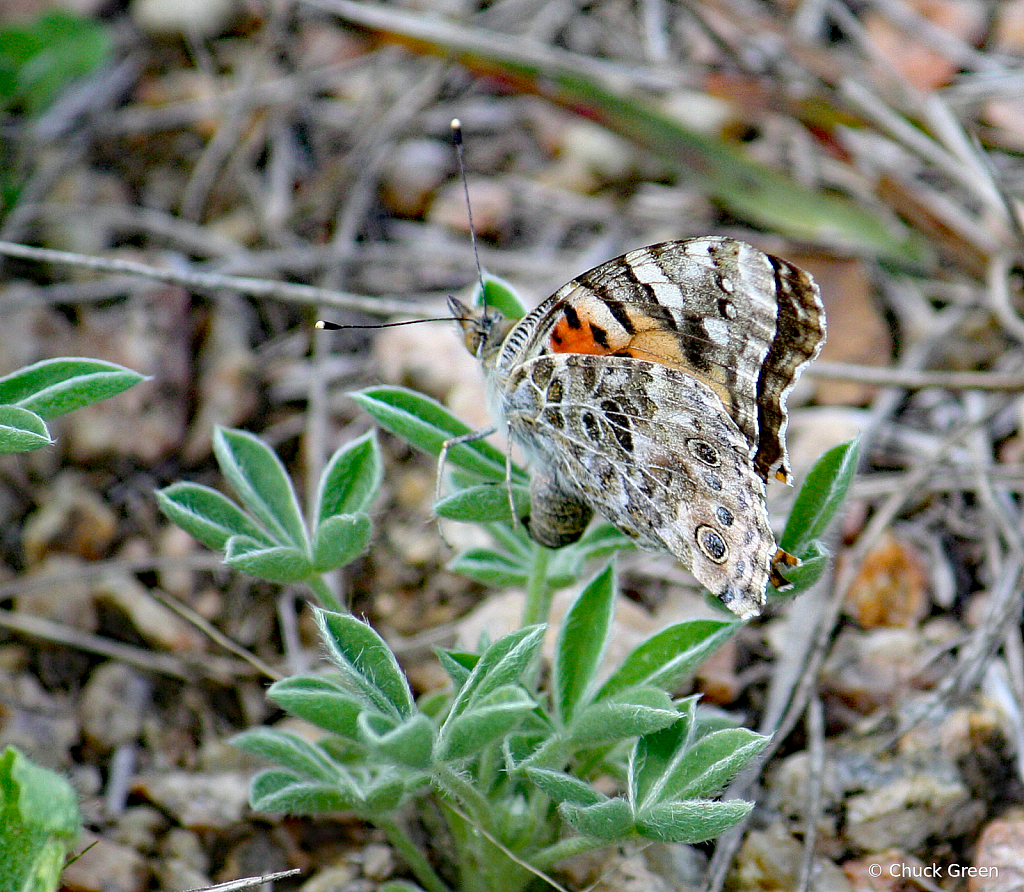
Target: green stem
{"points": [[463, 792], [412, 856], [538, 593], [547, 858], [324, 595]]}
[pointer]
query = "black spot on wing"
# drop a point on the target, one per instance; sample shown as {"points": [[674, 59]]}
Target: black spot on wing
{"points": [[571, 317], [695, 342], [621, 315], [620, 426], [599, 335]]}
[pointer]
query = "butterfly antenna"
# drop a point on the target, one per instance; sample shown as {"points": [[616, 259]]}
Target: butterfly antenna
{"points": [[324, 325], [457, 139]]}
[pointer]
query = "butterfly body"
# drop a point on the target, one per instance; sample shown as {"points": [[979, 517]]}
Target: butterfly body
{"points": [[652, 390]]}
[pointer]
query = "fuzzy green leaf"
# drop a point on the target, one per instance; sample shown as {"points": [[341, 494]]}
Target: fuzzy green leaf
{"points": [[601, 540], [274, 563], [209, 516], [609, 820], [700, 770], [485, 503], [339, 540], [563, 787], [489, 719], [22, 431], [668, 656], [427, 425], [491, 568], [261, 482], [408, 744], [319, 700], [695, 820], [369, 668], [632, 713], [282, 791], [499, 295], [457, 665], [821, 496], [581, 643], [39, 822], [42, 55], [506, 662], [814, 561], [351, 479], [56, 386], [289, 751]]}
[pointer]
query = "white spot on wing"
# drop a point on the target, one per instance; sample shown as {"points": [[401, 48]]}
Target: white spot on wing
{"points": [[667, 293], [718, 331], [648, 272]]}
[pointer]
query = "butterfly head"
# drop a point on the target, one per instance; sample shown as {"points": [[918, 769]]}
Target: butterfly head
{"points": [[483, 330]]}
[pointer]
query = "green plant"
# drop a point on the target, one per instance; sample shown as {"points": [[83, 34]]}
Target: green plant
{"points": [[38, 811], [39, 58], [509, 762], [266, 536], [33, 395], [39, 823]]}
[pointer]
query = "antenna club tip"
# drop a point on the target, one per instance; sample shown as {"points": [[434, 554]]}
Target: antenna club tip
{"points": [[457, 131], [320, 324]]}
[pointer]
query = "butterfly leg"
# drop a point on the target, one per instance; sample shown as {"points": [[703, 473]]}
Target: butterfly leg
{"points": [[557, 518], [776, 578], [442, 459], [448, 445]]}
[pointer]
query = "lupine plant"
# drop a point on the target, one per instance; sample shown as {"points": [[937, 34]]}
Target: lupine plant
{"points": [[33, 395], [39, 820], [509, 755]]}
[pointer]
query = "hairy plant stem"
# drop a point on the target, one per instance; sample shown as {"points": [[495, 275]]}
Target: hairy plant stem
{"points": [[538, 593], [412, 856], [325, 596]]}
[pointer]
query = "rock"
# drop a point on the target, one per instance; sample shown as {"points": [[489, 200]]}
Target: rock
{"points": [[113, 705], [159, 625], [105, 867], [378, 861], [891, 588], [197, 19], [331, 879], [42, 725], [770, 860], [60, 592], [999, 856], [71, 519], [198, 801], [138, 827], [412, 173]]}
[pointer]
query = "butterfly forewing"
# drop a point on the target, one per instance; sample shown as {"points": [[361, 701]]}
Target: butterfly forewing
{"points": [[653, 389]]}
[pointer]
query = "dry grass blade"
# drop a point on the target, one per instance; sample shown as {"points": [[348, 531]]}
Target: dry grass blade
{"points": [[249, 882], [744, 186]]}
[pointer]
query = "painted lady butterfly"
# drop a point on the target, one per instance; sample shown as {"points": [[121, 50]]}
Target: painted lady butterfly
{"points": [[652, 389]]}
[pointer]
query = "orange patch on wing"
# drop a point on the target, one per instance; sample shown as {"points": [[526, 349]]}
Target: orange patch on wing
{"points": [[583, 337], [653, 345], [565, 339], [663, 347]]}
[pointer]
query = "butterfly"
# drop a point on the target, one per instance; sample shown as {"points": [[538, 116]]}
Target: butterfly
{"points": [[652, 390]]}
